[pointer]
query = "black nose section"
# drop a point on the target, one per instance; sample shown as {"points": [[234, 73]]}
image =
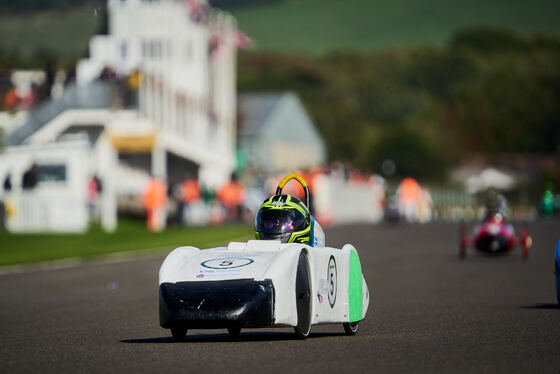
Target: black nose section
{"points": [[217, 304]]}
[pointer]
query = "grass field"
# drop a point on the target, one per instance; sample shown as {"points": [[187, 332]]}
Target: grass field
{"points": [[317, 26], [130, 236]]}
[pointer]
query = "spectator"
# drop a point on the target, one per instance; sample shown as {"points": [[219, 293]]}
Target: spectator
{"points": [[94, 190], [11, 99], [190, 194], [107, 75], [30, 177], [232, 197], [2, 215], [408, 194], [28, 101], [30, 203], [130, 89], [70, 76], [44, 91], [7, 185], [154, 199]]}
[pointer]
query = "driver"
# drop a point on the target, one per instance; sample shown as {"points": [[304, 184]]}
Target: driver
{"points": [[286, 218], [495, 205]]}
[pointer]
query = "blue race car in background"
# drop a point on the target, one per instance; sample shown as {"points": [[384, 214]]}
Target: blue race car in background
{"points": [[557, 271]]}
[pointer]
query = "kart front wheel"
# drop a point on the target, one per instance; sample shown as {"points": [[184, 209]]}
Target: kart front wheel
{"points": [[351, 328], [303, 298], [178, 333]]}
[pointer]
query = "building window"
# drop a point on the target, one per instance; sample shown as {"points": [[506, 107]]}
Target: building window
{"points": [[152, 49], [124, 50], [158, 49], [144, 49], [51, 173], [169, 49]]}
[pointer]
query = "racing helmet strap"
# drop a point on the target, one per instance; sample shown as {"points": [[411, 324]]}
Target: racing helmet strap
{"points": [[311, 234]]}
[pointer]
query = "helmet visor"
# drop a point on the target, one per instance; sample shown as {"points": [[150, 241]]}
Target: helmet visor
{"points": [[280, 221]]}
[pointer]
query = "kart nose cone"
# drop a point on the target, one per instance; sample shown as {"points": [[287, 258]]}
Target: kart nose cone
{"points": [[217, 304], [492, 244]]}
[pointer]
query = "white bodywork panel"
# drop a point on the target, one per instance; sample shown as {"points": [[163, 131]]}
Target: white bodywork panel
{"points": [[267, 259]]}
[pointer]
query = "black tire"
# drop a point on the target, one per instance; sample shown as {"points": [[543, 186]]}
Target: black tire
{"points": [[303, 298], [351, 328], [234, 332], [178, 333]]}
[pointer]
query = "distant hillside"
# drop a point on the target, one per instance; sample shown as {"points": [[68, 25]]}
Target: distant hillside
{"points": [[488, 91], [317, 26], [33, 29], [33, 6], [28, 40]]}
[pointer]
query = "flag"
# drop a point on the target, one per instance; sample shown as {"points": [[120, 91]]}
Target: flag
{"points": [[242, 40]]}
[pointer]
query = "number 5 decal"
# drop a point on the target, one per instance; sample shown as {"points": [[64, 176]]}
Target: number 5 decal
{"points": [[332, 279]]}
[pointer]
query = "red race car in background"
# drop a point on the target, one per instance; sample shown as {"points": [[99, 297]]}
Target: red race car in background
{"points": [[494, 236]]}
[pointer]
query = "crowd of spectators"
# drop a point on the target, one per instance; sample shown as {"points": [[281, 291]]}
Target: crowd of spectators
{"points": [[124, 87], [41, 87], [187, 202]]}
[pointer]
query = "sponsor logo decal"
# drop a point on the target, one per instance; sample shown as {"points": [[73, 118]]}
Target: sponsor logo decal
{"points": [[219, 273], [332, 279], [227, 263]]}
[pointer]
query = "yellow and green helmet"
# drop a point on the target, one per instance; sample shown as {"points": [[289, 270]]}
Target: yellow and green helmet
{"points": [[285, 218]]}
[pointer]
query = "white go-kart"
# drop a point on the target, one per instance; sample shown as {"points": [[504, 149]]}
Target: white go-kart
{"points": [[262, 283]]}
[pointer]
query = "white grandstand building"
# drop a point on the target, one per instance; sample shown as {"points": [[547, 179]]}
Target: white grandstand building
{"points": [[187, 94], [182, 55]]}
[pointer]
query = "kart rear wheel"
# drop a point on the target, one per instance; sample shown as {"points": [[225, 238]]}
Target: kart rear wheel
{"points": [[234, 332], [303, 298], [178, 333], [351, 328]]}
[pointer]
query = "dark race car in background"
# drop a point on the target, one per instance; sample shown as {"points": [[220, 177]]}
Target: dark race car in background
{"points": [[494, 236]]}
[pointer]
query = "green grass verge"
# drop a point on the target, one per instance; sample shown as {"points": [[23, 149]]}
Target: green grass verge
{"points": [[130, 236]]}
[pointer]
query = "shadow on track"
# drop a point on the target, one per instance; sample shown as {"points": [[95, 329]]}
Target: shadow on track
{"points": [[541, 306], [243, 337], [479, 258]]}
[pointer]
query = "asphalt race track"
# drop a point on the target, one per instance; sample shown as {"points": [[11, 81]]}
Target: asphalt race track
{"points": [[430, 312]]}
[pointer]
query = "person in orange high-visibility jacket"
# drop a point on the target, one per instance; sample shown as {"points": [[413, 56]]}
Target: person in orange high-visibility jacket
{"points": [[154, 199], [232, 196], [11, 100], [190, 194], [190, 191], [408, 194]]}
